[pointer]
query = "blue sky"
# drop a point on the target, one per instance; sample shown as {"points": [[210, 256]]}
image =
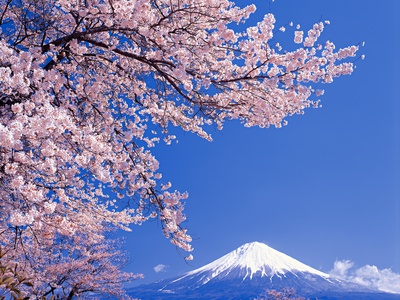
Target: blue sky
{"points": [[323, 188]]}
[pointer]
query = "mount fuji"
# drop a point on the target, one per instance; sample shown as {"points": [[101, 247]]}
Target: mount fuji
{"points": [[248, 272]]}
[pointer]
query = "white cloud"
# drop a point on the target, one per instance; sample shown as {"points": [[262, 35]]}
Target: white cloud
{"points": [[340, 268], [384, 280], [160, 268]]}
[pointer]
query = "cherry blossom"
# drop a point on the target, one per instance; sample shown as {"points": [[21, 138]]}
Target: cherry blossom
{"points": [[89, 88]]}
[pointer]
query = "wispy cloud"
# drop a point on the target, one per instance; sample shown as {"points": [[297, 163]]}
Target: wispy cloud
{"points": [[384, 280], [160, 268]]}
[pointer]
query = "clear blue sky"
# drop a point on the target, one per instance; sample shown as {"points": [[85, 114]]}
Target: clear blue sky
{"points": [[323, 188]]}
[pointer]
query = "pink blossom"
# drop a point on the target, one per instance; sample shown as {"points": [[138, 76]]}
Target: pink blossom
{"points": [[298, 37], [87, 99]]}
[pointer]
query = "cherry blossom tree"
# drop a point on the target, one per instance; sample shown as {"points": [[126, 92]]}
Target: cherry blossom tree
{"points": [[89, 87], [63, 270], [284, 294]]}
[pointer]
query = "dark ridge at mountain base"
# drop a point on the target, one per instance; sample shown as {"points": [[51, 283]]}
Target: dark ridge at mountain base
{"points": [[359, 296], [231, 290], [223, 295]]}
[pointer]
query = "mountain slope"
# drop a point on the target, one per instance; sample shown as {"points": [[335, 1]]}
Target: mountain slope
{"points": [[253, 259], [248, 272]]}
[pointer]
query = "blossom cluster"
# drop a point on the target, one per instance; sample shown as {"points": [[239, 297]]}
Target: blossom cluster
{"points": [[88, 89]]}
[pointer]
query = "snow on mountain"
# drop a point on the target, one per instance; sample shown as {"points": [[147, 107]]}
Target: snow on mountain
{"points": [[255, 258], [248, 272]]}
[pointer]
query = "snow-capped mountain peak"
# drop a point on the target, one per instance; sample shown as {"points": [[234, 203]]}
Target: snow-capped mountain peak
{"points": [[248, 272], [254, 258]]}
